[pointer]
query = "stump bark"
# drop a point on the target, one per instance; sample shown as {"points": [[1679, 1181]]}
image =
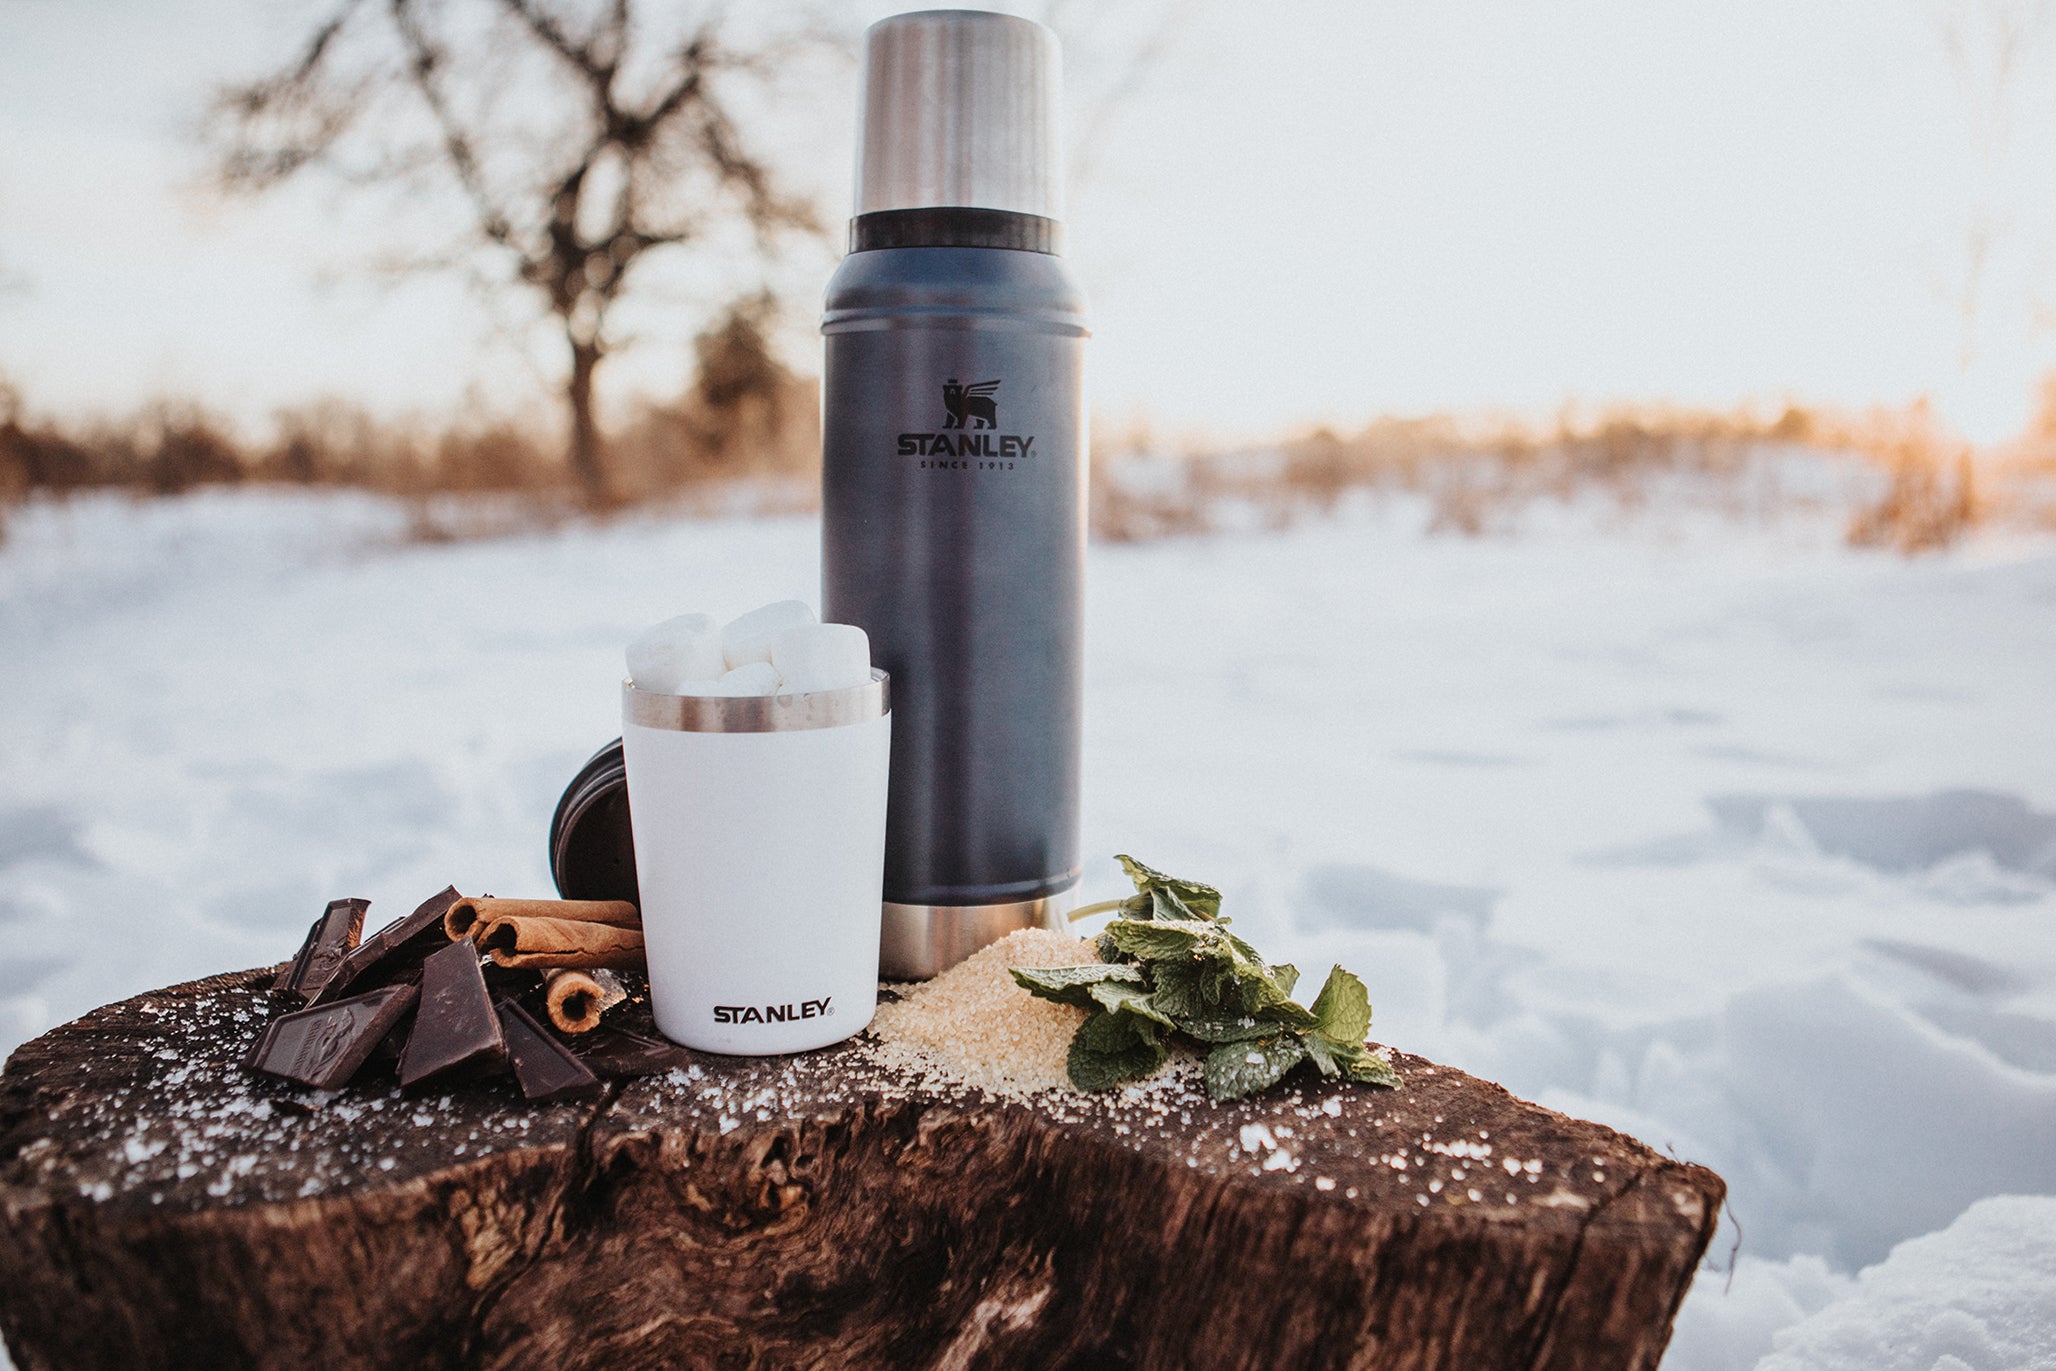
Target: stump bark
{"points": [[164, 1208]]}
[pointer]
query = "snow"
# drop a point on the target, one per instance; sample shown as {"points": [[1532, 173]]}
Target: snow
{"points": [[1715, 831], [1978, 1296]]}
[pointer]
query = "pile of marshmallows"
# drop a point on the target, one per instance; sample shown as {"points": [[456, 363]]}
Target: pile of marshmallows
{"points": [[780, 649]]}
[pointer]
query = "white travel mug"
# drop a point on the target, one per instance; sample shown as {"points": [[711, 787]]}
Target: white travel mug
{"points": [[759, 826]]}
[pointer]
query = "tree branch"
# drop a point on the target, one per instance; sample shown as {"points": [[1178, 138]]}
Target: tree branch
{"points": [[251, 163], [766, 209], [580, 57], [425, 60], [694, 59]]}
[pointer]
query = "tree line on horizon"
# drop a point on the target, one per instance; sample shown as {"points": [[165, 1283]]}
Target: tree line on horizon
{"points": [[1911, 487], [743, 414]]}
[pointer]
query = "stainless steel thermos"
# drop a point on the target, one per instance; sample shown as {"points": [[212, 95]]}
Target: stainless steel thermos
{"points": [[954, 469]]}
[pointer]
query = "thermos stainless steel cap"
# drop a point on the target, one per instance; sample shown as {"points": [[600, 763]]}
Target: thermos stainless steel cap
{"points": [[960, 109]]}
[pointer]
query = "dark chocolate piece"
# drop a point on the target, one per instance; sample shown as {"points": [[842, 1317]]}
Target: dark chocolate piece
{"points": [[397, 950], [331, 938], [324, 1046], [616, 1052], [394, 1043], [456, 1033], [511, 983], [545, 1068]]}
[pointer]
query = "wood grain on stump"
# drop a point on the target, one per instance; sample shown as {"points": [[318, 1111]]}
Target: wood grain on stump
{"points": [[164, 1208]]}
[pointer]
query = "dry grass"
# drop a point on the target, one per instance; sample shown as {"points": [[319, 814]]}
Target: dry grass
{"points": [[1931, 499], [747, 436], [1908, 486], [1475, 476], [746, 421]]}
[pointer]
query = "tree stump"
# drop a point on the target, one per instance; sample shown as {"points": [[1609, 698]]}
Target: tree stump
{"points": [[165, 1208]]}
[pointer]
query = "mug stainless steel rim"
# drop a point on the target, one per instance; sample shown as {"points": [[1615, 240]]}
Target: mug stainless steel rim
{"points": [[855, 704]]}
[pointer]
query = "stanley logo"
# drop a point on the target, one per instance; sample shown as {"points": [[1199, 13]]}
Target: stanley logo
{"points": [[974, 402], [772, 1013], [973, 411]]}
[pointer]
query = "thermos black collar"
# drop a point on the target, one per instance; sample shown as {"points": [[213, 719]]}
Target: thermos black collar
{"points": [[954, 226]]}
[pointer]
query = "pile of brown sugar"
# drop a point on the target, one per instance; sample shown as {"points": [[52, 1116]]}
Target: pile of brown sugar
{"points": [[974, 1025]]}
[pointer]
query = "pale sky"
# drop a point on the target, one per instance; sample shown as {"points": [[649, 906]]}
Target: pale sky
{"points": [[1314, 211]]}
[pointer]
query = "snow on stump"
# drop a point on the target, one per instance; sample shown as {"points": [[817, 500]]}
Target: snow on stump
{"points": [[165, 1208]]}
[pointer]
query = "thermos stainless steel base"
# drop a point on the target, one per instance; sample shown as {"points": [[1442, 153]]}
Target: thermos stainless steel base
{"points": [[924, 940]]}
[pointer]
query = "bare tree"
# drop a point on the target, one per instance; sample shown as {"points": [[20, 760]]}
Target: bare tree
{"points": [[579, 141]]}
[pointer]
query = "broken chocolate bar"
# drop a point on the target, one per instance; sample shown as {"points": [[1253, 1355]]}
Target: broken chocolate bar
{"points": [[617, 1052], [455, 1032], [398, 947], [330, 939], [324, 1046], [544, 1067]]}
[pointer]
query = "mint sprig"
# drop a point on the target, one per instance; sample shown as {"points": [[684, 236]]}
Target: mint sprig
{"points": [[1169, 965]]}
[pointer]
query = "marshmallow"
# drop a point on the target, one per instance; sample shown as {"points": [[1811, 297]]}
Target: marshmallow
{"points": [[751, 678], [748, 637], [821, 657], [688, 648]]}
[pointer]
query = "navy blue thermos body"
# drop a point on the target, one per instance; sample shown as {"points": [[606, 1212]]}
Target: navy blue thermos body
{"points": [[954, 475]]}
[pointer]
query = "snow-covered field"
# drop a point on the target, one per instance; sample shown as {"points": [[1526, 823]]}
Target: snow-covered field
{"points": [[1720, 833]]}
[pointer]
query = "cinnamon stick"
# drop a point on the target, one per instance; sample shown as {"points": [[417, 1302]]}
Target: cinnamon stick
{"points": [[576, 999], [467, 917], [543, 943]]}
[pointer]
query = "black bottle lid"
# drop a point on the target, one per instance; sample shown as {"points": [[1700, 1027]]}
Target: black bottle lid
{"points": [[592, 850]]}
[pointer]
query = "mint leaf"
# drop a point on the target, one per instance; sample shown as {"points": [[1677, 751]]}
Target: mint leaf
{"points": [[1230, 1030], [1234, 1070], [1352, 1062], [1322, 1054], [1118, 998], [1164, 904], [1155, 942], [1264, 998], [1109, 1049], [1202, 898], [1170, 965], [1344, 1053], [1196, 989], [1178, 988], [1265, 990], [1371, 1070], [1245, 949], [1071, 984], [1342, 1010]]}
